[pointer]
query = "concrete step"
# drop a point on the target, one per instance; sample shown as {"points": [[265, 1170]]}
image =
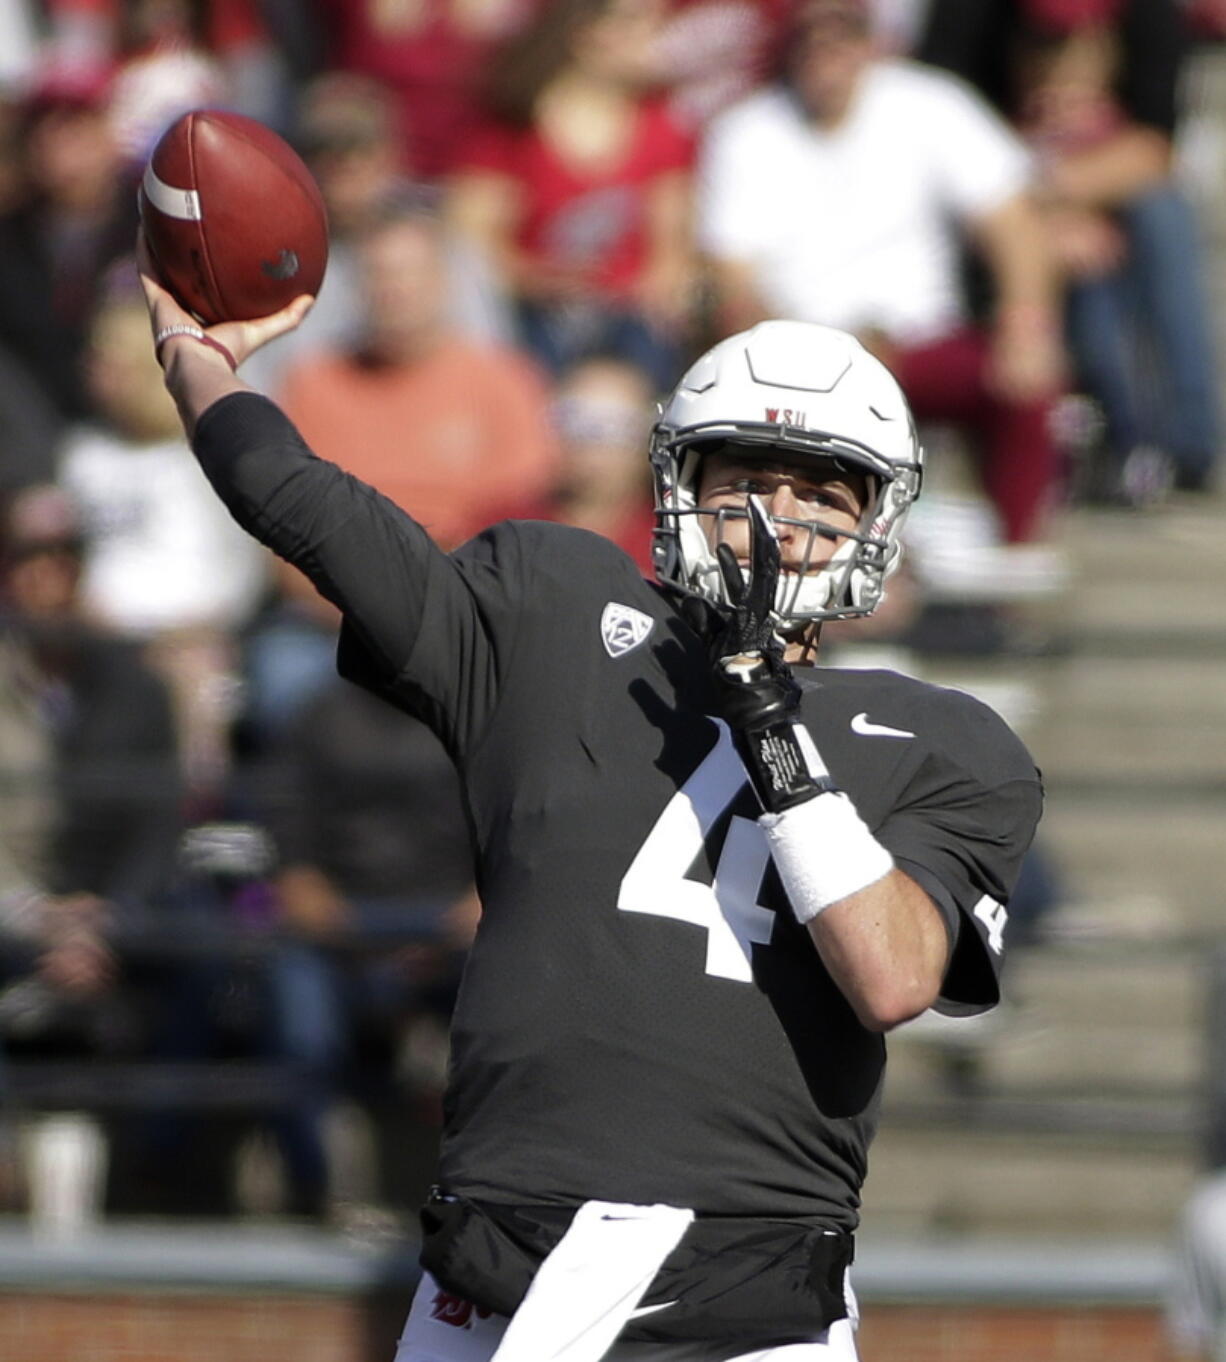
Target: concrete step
{"points": [[1133, 870], [1081, 1111], [1162, 570], [967, 1181], [1071, 1025], [1133, 722]]}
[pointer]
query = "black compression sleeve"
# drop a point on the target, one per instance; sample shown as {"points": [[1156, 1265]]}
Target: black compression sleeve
{"points": [[362, 552], [236, 426]]}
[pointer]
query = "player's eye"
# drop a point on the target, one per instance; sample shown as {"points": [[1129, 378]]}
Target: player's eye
{"points": [[832, 498]]}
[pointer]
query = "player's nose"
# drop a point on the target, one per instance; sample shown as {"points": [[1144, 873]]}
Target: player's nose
{"points": [[782, 503]]}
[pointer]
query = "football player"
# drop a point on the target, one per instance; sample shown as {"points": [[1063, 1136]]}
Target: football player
{"points": [[713, 873]]}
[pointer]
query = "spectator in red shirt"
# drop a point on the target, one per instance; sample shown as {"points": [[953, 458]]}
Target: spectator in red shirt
{"points": [[432, 55], [579, 188], [169, 56]]}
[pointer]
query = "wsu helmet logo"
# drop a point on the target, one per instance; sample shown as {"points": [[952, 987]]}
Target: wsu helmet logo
{"points": [[785, 416]]}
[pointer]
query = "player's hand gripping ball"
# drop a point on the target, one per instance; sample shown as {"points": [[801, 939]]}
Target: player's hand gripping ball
{"points": [[233, 219]]}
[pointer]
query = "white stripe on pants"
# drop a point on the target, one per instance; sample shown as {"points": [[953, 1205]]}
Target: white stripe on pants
{"points": [[443, 1328]]}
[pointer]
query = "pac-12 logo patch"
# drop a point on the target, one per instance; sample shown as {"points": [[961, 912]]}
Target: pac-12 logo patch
{"points": [[623, 628]]}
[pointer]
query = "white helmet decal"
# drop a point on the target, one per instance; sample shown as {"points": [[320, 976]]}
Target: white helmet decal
{"points": [[799, 391]]}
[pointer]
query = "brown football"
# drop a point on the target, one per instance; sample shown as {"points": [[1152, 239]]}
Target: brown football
{"points": [[232, 217]]}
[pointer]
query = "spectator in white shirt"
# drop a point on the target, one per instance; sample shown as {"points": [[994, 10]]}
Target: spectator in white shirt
{"points": [[165, 564], [849, 192]]}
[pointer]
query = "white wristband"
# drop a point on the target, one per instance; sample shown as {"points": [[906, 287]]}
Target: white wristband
{"points": [[192, 333], [823, 851]]}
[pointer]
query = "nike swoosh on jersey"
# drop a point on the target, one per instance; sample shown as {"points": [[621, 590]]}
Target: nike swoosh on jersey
{"points": [[650, 1309], [863, 725]]}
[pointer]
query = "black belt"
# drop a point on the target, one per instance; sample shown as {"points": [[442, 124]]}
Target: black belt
{"points": [[731, 1277]]}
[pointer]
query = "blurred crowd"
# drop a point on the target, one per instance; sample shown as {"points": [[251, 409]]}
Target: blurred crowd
{"points": [[539, 211]]}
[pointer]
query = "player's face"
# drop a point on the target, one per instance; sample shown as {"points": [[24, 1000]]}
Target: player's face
{"points": [[794, 494]]}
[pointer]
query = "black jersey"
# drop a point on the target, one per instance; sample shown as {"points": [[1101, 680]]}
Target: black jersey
{"points": [[641, 1018]]}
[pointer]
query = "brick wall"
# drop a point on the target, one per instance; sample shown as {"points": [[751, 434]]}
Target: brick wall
{"points": [[171, 1327], [932, 1333]]}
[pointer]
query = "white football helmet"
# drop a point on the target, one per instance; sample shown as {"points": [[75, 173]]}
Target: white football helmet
{"points": [[796, 391]]}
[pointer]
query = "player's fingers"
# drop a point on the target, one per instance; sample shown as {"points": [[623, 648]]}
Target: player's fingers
{"points": [[289, 317], [243, 339], [154, 292], [164, 308], [764, 559], [730, 570], [261, 330], [144, 260]]}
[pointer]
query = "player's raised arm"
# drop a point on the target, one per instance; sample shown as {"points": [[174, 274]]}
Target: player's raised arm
{"points": [[363, 553]]}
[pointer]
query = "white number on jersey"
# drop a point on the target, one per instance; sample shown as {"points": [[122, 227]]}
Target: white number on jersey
{"points": [[656, 882], [993, 916]]}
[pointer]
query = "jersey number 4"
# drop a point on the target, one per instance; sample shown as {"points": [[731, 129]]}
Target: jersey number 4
{"points": [[728, 908]]}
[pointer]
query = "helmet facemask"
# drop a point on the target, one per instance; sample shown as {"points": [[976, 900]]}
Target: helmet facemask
{"points": [[843, 407], [848, 584]]}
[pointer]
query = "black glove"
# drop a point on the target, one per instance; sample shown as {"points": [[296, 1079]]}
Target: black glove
{"points": [[755, 691], [753, 683]]}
